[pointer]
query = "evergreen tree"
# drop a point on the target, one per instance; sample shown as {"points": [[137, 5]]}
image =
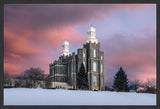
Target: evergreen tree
{"points": [[120, 81], [82, 78]]}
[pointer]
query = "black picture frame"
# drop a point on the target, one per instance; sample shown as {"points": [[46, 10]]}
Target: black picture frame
{"points": [[157, 2]]}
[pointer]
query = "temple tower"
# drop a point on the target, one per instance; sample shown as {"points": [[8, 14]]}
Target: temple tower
{"points": [[92, 35], [95, 61], [65, 47]]}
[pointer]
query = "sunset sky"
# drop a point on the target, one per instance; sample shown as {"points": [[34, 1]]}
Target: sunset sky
{"points": [[34, 33]]}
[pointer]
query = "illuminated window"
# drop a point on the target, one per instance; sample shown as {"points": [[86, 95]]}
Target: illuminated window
{"points": [[84, 64], [94, 66], [101, 57], [84, 55], [101, 68], [94, 80], [94, 53], [101, 82]]}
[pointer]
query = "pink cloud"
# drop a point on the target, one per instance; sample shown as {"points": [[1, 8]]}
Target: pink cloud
{"points": [[43, 16], [12, 69], [35, 49], [54, 37], [136, 54], [33, 35]]}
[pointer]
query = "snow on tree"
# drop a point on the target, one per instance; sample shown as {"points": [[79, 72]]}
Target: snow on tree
{"points": [[120, 81]]}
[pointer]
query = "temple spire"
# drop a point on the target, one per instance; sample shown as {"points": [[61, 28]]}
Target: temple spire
{"points": [[92, 35], [65, 47]]}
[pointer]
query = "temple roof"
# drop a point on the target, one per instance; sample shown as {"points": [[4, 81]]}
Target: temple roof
{"points": [[92, 29], [66, 43]]}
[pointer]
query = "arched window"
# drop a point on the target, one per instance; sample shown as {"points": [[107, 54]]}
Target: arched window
{"points": [[101, 82], [84, 64], [84, 55], [68, 68], [101, 68], [78, 67], [71, 67], [94, 80], [94, 53], [94, 66], [53, 71]]}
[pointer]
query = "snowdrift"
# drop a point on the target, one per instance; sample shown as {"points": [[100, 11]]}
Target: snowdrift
{"points": [[38, 96]]}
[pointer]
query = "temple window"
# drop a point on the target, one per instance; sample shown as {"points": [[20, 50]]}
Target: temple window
{"points": [[94, 66]]}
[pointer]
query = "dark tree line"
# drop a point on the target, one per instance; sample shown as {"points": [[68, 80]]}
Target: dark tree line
{"points": [[34, 74], [28, 78], [120, 81]]}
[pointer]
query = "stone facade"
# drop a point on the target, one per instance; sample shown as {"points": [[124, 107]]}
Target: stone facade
{"points": [[64, 70]]}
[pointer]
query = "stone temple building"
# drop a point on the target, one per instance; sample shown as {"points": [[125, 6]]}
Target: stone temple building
{"points": [[64, 70]]}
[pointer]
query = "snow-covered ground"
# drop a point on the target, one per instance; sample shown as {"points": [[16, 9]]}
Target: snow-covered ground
{"points": [[24, 96]]}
